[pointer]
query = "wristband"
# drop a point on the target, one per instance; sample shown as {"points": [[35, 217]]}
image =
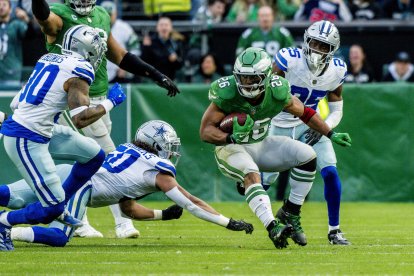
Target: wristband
{"points": [[330, 133], [107, 105], [229, 139]]}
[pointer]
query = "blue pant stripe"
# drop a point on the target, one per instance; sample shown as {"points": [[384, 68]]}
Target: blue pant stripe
{"points": [[42, 181], [28, 170], [82, 192]]}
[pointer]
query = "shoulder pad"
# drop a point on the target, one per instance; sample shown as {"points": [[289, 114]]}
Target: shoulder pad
{"points": [[287, 58], [340, 68], [165, 166], [222, 89], [280, 91], [84, 70], [247, 32]]}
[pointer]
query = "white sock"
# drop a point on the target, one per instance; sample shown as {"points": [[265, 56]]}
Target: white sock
{"points": [[25, 234], [330, 228], [3, 219], [259, 202], [119, 219], [300, 184]]}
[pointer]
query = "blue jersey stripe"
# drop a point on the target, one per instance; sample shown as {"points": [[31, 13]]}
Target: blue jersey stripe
{"points": [[85, 72], [279, 63], [86, 78], [165, 168]]}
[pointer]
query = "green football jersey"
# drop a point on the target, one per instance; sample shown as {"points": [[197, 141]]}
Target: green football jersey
{"points": [[272, 41], [98, 18], [223, 92]]}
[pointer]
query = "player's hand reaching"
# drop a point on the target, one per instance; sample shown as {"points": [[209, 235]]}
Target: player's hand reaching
{"points": [[172, 212], [240, 225], [312, 137], [116, 95], [342, 139], [241, 132], [168, 84]]}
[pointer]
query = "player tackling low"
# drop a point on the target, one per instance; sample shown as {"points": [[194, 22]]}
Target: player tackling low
{"points": [[242, 154], [132, 171]]}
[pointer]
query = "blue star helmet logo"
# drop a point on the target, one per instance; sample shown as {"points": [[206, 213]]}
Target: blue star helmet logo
{"points": [[159, 131]]}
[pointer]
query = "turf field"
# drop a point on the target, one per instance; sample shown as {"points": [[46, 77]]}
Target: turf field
{"points": [[382, 237]]}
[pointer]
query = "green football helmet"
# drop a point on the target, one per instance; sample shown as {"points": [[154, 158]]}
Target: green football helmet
{"points": [[81, 7], [251, 70]]}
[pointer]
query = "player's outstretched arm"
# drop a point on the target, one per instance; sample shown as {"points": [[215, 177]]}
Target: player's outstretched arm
{"points": [[50, 23], [209, 132], [196, 206], [131, 209], [133, 64], [314, 121], [78, 101]]}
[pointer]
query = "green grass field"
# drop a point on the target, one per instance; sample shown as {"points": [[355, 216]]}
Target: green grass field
{"points": [[382, 237]]}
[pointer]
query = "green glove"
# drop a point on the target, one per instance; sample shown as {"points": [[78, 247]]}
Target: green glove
{"points": [[342, 139], [241, 132]]}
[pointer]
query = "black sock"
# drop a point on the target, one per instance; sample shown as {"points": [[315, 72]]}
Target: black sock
{"points": [[271, 225], [291, 208]]}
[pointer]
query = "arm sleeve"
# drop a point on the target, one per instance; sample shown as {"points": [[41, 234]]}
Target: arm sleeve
{"points": [[40, 9], [335, 113], [137, 66]]}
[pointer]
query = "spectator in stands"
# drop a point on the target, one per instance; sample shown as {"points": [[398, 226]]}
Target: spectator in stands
{"points": [[401, 70], [126, 37], [399, 9], [209, 70], [359, 70], [163, 50], [286, 9], [266, 35], [365, 9], [331, 10], [211, 14], [13, 30], [244, 11]]}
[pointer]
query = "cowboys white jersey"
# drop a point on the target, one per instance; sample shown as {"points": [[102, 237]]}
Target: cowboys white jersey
{"points": [[128, 172], [43, 97], [310, 89]]}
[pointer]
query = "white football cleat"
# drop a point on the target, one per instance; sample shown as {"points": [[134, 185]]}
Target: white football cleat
{"points": [[126, 230], [87, 231]]}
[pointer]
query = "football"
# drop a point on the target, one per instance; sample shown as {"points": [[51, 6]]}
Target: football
{"points": [[226, 124]]}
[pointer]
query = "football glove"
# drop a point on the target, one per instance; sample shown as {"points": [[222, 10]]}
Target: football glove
{"points": [[168, 84], [172, 212], [116, 95], [240, 225], [342, 139], [241, 132], [312, 137]]}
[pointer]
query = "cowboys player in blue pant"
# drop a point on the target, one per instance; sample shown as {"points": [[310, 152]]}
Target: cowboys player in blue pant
{"points": [[132, 171], [313, 73], [31, 139]]}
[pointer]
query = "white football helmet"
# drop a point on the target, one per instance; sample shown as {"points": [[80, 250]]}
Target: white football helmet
{"points": [[162, 137], [251, 70], [85, 42], [81, 7], [321, 41]]}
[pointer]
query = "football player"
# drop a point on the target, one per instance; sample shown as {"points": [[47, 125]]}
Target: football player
{"points": [[132, 171], [54, 21], [31, 139], [242, 154], [313, 73]]}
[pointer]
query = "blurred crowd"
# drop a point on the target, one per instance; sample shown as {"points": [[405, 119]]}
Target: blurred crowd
{"points": [[183, 58]]}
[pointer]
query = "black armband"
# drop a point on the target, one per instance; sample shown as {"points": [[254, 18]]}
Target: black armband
{"points": [[330, 133], [137, 66], [40, 9], [229, 139]]}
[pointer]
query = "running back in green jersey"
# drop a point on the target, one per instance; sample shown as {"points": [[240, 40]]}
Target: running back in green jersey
{"points": [[98, 18], [223, 92]]}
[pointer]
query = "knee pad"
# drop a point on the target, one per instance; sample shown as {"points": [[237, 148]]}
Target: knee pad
{"points": [[309, 166]]}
